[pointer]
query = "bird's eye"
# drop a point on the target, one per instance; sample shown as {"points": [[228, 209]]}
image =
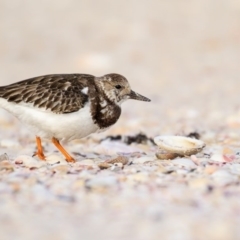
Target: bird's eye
{"points": [[118, 86]]}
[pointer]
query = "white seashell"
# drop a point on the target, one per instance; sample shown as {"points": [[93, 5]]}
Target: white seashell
{"points": [[55, 159], [184, 162], [218, 157], [184, 146]]}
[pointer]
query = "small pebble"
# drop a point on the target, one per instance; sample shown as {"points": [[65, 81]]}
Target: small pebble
{"points": [[87, 162], [61, 169], [210, 169], [142, 160], [184, 162], [55, 159], [218, 157], [4, 157], [117, 167], [30, 162], [166, 155], [104, 165], [182, 171], [119, 159], [7, 166]]}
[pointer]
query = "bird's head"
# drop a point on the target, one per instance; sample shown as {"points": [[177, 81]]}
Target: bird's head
{"points": [[117, 88]]}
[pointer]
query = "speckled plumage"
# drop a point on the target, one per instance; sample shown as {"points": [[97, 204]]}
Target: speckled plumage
{"points": [[67, 106], [60, 93]]}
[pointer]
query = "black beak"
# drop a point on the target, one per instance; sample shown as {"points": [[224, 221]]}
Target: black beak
{"points": [[136, 96]]}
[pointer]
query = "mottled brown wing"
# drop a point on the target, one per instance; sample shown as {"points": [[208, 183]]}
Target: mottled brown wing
{"points": [[60, 93]]}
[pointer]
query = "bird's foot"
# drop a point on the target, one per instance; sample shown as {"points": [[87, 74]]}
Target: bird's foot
{"points": [[68, 157], [40, 155]]}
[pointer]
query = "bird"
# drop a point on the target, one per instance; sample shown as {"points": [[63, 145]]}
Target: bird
{"points": [[63, 107]]}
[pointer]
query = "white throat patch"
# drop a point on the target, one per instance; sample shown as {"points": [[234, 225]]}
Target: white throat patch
{"points": [[85, 90]]}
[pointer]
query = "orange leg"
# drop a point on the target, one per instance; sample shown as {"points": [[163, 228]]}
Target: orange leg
{"points": [[68, 157], [39, 152]]}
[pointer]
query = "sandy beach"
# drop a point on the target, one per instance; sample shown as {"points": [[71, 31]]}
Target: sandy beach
{"points": [[183, 55]]}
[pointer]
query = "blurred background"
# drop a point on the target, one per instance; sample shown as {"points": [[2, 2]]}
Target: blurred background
{"points": [[185, 55]]}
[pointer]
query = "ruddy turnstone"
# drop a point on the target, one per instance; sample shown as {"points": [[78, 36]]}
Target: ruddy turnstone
{"points": [[67, 106]]}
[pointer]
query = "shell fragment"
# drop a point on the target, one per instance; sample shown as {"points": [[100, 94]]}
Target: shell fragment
{"points": [[184, 146]]}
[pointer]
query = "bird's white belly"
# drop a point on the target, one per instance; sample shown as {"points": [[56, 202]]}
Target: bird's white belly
{"points": [[47, 124]]}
